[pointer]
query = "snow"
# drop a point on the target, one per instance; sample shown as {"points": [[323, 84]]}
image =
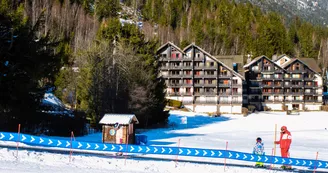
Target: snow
{"points": [[309, 131]]}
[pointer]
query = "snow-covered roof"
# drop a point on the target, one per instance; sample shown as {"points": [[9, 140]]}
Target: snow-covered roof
{"points": [[119, 118]]}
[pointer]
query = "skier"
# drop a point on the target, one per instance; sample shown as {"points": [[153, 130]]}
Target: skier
{"points": [[284, 142], [259, 150]]}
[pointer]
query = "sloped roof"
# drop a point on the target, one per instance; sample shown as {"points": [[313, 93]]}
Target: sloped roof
{"points": [[254, 60], [312, 64], [281, 56], [309, 62], [288, 63], [124, 119], [171, 44], [215, 59], [229, 60]]}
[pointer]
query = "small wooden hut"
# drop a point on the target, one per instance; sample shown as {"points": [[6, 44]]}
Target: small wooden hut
{"points": [[118, 128]]}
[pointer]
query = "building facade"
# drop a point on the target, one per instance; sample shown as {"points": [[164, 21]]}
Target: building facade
{"points": [[273, 84], [199, 80]]}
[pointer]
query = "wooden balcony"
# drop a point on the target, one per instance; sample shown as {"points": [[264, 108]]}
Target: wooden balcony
{"points": [[224, 85]]}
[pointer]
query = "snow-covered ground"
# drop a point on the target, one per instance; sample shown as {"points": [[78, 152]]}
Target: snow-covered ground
{"points": [[309, 131]]}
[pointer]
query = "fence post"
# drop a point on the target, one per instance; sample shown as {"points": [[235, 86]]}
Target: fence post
{"points": [[127, 142], [225, 156], [71, 152], [316, 162], [176, 159], [18, 139]]}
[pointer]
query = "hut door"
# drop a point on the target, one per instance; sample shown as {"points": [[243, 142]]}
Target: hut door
{"points": [[110, 135]]}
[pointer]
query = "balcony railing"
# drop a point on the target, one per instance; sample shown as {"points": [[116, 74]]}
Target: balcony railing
{"points": [[199, 76], [267, 85], [308, 86], [255, 100], [175, 75], [209, 93], [237, 93], [312, 100], [201, 66], [309, 78], [297, 85], [200, 84], [230, 102], [210, 84], [309, 93], [224, 85], [210, 67], [237, 85], [210, 76], [225, 75], [175, 59], [206, 101], [186, 67], [174, 93], [224, 93]]}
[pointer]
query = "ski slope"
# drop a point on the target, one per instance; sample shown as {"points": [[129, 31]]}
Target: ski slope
{"points": [[309, 131]]}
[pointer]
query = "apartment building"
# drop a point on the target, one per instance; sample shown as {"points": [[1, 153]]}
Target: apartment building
{"points": [[284, 81], [202, 82]]}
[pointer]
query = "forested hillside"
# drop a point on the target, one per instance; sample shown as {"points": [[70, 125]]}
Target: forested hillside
{"points": [[96, 65], [99, 64]]}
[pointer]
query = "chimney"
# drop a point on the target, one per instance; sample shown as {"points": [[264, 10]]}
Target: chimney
{"points": [[274, 57]]}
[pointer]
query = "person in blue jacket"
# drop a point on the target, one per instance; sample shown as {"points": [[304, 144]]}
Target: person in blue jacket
{"points": [[259, 150]]}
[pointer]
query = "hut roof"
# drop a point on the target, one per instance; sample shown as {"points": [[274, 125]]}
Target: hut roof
{"points": [[119, 118]]}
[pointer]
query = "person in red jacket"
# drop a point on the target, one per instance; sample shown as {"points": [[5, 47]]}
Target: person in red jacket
{"points": [[284, 142]]}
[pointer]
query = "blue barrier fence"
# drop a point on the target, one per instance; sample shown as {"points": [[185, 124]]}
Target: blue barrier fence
{"points": [[161, 150]]}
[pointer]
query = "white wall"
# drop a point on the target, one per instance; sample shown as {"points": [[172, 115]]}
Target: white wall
{"points": [[205, 108], [273, 106], [225, 109], [312, 107]]}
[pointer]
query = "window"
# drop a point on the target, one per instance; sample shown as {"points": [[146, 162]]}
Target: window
{"points": [[296, 76], [235, 81], [235, 90], [188, 90], [277, 83], [174, 81], [188, 81], [224, 99], [277, 76], [197, 64], [212, 64], [197, 73], [164, 55], [175, 90], [197, 90], [255, 68], [187, 64], [307, 91], [266, 76], [177, 55], [176, 64], [210, 72], [223, 90], [265, 98], [287, 83], [197, 81], [266, 68], [188, 72], [175, 72]]}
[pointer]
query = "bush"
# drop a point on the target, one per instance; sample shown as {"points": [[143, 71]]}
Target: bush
{"points": [[284, 107], [251, 108], [244, 111], [324, 108], [267, 108]]}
